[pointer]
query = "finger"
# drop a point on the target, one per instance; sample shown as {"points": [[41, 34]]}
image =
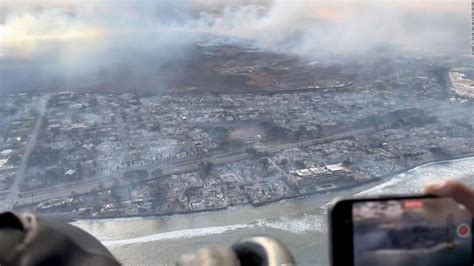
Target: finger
{"points": [[453, 189]]}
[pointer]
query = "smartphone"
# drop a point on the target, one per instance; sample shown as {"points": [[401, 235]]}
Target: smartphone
{"points": [[394, 231]]}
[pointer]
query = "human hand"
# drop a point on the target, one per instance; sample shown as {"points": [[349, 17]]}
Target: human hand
{"points": [[453, 189]]}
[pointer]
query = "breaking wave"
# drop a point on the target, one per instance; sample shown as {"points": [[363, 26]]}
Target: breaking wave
{"points": [[411, 181], [180, 234], [298, 225]]}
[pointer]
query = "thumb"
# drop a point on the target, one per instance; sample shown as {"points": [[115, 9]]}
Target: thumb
{"points": [[455, 190]]}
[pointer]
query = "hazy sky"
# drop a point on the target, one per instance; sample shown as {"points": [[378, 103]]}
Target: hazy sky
{"points": [[75, 40], [398, 21]]}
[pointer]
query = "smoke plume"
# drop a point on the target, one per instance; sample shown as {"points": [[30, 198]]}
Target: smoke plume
{"points": [[134, 44]]}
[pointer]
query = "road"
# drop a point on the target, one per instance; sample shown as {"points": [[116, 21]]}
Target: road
{"points": [[123, 136], [276, 147], [105, 182], [177, 166], [12, 196]]}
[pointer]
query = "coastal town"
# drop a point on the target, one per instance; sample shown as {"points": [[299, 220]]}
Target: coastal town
{"points": [[92, 154]]}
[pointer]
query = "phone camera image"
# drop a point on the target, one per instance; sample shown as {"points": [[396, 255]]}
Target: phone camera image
{"points": [[428, 232]]}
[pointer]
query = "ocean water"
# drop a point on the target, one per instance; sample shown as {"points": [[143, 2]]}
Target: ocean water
{"points": [[301, 223]]}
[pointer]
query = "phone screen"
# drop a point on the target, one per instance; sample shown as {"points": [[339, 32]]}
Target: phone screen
{"points": [[429, 231]]}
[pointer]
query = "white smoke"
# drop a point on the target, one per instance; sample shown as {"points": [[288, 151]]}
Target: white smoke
{"points": [[77, 42], [315, 25], [318, 27]]}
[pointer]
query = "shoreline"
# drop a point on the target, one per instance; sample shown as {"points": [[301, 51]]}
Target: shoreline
{"points": [[366, 184]]}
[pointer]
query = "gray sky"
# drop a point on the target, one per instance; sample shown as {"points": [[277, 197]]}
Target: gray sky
{"points": [[72, 41]]}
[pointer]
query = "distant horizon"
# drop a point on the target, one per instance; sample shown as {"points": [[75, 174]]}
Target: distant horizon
{"points": [[69, 44]]}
